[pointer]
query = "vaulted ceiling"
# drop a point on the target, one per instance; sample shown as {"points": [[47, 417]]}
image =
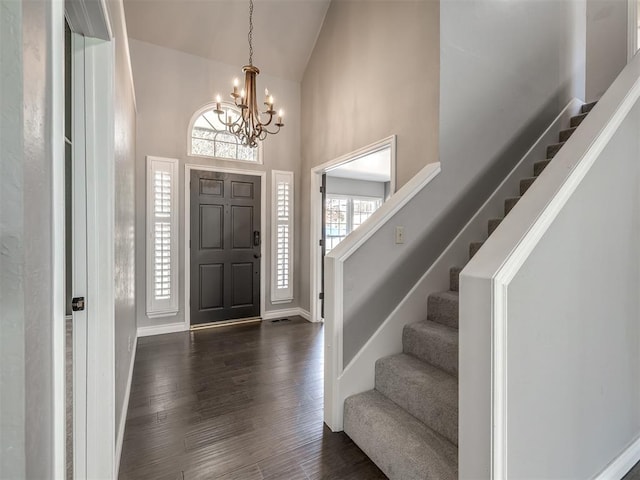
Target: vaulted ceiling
{"points": [[284, 34]]}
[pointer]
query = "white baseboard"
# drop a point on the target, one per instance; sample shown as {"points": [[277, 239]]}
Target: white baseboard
{"points": [[161, 329], [286, 312], [621, 465], [125, 409]]}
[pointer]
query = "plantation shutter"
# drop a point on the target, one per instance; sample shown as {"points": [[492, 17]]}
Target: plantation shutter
{"points": [[282, 237], [162, 235]]}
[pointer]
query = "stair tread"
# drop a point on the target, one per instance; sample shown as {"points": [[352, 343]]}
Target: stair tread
{"points": [[397, 442], [577, 119], [432, 342], [447, 294], [425, 391]]}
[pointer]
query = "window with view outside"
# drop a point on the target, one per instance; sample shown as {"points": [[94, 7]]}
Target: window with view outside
{"points": [[344, 214], [210, 139]]}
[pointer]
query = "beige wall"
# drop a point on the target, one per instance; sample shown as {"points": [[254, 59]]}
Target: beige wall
{"points": [[374, 72], [606, 44], [124, 221], [170, 87]]}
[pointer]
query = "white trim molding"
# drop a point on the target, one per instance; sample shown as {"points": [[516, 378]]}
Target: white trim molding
{"points": [[316, 209], [56, 123], [125, 408], [187, 230], [161, 329], [286, 312], [624, 462]]}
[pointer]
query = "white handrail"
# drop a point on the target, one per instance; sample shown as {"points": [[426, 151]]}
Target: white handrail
{"points": [[334, 263]]}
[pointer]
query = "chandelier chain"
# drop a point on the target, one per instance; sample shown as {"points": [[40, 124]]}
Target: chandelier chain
{"points": [[250, 32]]}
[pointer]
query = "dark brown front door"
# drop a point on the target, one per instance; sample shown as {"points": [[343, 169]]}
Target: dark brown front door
{"points": [[225, 246]]}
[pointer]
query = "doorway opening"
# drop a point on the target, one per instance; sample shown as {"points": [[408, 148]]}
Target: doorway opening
{"points": [[344, 194], [224, 248]]}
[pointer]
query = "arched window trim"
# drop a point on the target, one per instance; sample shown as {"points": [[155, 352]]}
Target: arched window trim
{"points": [[194, 118]]}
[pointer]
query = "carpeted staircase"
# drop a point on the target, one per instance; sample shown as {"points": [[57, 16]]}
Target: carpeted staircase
{"points": [[408, 425]]}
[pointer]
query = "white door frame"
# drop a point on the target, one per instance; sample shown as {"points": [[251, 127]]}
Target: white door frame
{"points": [[93, 143], [315, 216], [58, 280], [79, 260], [632, 26], [187, 230], [100, 171]]}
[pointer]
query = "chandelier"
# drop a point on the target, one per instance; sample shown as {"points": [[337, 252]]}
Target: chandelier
{"points": [[251, 124]]}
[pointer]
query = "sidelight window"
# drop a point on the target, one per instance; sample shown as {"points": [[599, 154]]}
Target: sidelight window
{"points": [[282, 236], [162, 234]]}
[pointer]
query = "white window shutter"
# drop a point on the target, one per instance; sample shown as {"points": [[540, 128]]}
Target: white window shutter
{"points": [[162, 236], [282, 236]]}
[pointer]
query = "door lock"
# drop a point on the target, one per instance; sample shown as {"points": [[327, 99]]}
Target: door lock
{"points": [[77, 304]]}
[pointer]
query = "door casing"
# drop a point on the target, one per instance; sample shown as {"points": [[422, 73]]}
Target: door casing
{"points": [[187, 230], [315, 214]]}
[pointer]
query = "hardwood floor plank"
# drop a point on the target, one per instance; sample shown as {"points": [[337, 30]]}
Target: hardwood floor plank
{"points": [[239, 402]]}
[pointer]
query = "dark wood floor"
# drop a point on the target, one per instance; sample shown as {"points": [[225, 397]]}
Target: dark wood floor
{"points": [[241, 402]]}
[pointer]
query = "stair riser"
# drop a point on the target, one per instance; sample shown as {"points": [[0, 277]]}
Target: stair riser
{"points": [[492, 225], [525, 184], [577, 120], [396, 442], [432, 348], [454, 279], [552, 150], [588, 107], [433, 401], [566, 134], [442, 311], [473, 249], [538, 167], [509, 203]]}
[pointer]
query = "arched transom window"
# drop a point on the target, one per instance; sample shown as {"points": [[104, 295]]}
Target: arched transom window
{"points": [[208, 137]]}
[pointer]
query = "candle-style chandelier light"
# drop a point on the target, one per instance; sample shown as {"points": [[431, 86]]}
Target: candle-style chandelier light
{"points": [[251, 124]]}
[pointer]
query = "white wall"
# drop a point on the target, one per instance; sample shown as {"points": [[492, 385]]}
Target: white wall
{"points": [[170, 87], [573, 338], [349, 186], [12, 314], [124, 223], [26, 242], [606, 44]]}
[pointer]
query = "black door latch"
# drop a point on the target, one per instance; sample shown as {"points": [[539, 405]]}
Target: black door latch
{"points": [[77, 304]]}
